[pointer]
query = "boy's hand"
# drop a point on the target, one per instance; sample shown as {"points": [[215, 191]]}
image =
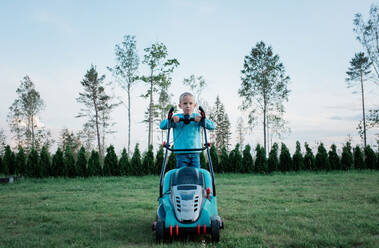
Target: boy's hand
{"points": [[197, 118], [176, 118]]}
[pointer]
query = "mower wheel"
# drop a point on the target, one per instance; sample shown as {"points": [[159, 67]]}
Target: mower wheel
{"points": [[215, 225], [159, 232]]}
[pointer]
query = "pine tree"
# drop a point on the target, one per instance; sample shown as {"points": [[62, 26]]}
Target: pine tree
{"points": [[44, 162], [58, 168], [20, 161], [322, 160], [136, 162], [334, 160], [214, 158], [370, 157], [309, 159], [1, 165], [8, 161], [231, 161], [247, 160], [285, 161], [81, 163], [69, 163], [297, 158], [94, 167], [347, 157], [110, 167], [32, 164], [224, 160], [260, 160], [273, 161], [123, 163], [358, 159], [159, 160]]}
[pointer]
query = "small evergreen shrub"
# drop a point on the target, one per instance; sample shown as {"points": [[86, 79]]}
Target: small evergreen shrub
{"points": [[123, 163], [285, 160], [247, 160], [322, 161], [309, 159], [358, 158], [370, 157], [273, 160], [334, 160], [297, 158], [346, 157]]}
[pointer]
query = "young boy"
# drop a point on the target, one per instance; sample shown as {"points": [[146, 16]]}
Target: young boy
{"points": [[187, 136]]}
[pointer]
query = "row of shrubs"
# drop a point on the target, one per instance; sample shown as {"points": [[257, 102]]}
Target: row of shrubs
{"points": [[82, 164]]}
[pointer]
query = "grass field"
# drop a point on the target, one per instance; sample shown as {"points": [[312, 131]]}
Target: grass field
{"points": [[337, 209]]}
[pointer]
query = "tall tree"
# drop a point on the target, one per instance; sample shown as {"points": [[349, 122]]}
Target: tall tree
{"points": [[2, 142], [358, 158], [264, 84], [241, 131], [23, 115], [110, 167], [367, 33], [69, 163], [358, 71], [222, 123], [126, 70], [68, 138], [95, 101], [94, 167], [196, 85], [160, 69]]}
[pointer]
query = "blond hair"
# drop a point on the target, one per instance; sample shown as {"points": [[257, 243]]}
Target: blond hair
{"points": [[184, 95]]}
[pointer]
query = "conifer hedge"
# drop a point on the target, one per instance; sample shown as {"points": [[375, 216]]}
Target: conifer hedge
{"points": [[63, 164]]}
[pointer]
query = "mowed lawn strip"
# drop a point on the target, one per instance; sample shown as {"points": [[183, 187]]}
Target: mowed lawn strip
{"points": [[307, 209]]}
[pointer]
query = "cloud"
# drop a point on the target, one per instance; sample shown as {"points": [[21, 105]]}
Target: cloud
{"points": [[346, 118]]}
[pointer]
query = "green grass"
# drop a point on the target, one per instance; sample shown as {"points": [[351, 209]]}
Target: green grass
{"points": [[338, 209]]}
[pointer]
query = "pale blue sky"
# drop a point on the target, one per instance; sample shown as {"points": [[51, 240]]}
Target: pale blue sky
{"points": [[54, 42]]}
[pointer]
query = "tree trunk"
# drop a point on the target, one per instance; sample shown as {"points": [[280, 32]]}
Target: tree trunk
{"points": [[264, 123], [268, 136], [97, 130], [363, 108], [129, 118], [33, 138], [150, 140]]}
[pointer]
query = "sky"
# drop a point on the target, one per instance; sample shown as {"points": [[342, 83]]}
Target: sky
{"points": [[55, 43]]}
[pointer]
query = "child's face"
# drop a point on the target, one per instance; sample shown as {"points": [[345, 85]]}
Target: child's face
{"points": [[188, 105]]}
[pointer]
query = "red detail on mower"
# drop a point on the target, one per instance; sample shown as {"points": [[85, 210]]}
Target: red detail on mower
{"points": [[205, 229], [198, 229], [170, 230], [164, 143], [177, 230], [169, 116], [208, 192], [154, 227]]}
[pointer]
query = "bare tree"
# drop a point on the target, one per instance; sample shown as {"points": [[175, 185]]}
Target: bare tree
{"points": [[125, 71]]}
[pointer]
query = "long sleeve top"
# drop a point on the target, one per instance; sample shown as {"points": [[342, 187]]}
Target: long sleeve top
{"points": [[187, 136]]}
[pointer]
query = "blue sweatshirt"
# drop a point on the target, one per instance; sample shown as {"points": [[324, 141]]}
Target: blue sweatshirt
{"points": [[187, 136]]}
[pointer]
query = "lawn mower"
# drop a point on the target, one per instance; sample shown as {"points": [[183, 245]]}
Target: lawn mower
{"points": [[187, 196]]}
